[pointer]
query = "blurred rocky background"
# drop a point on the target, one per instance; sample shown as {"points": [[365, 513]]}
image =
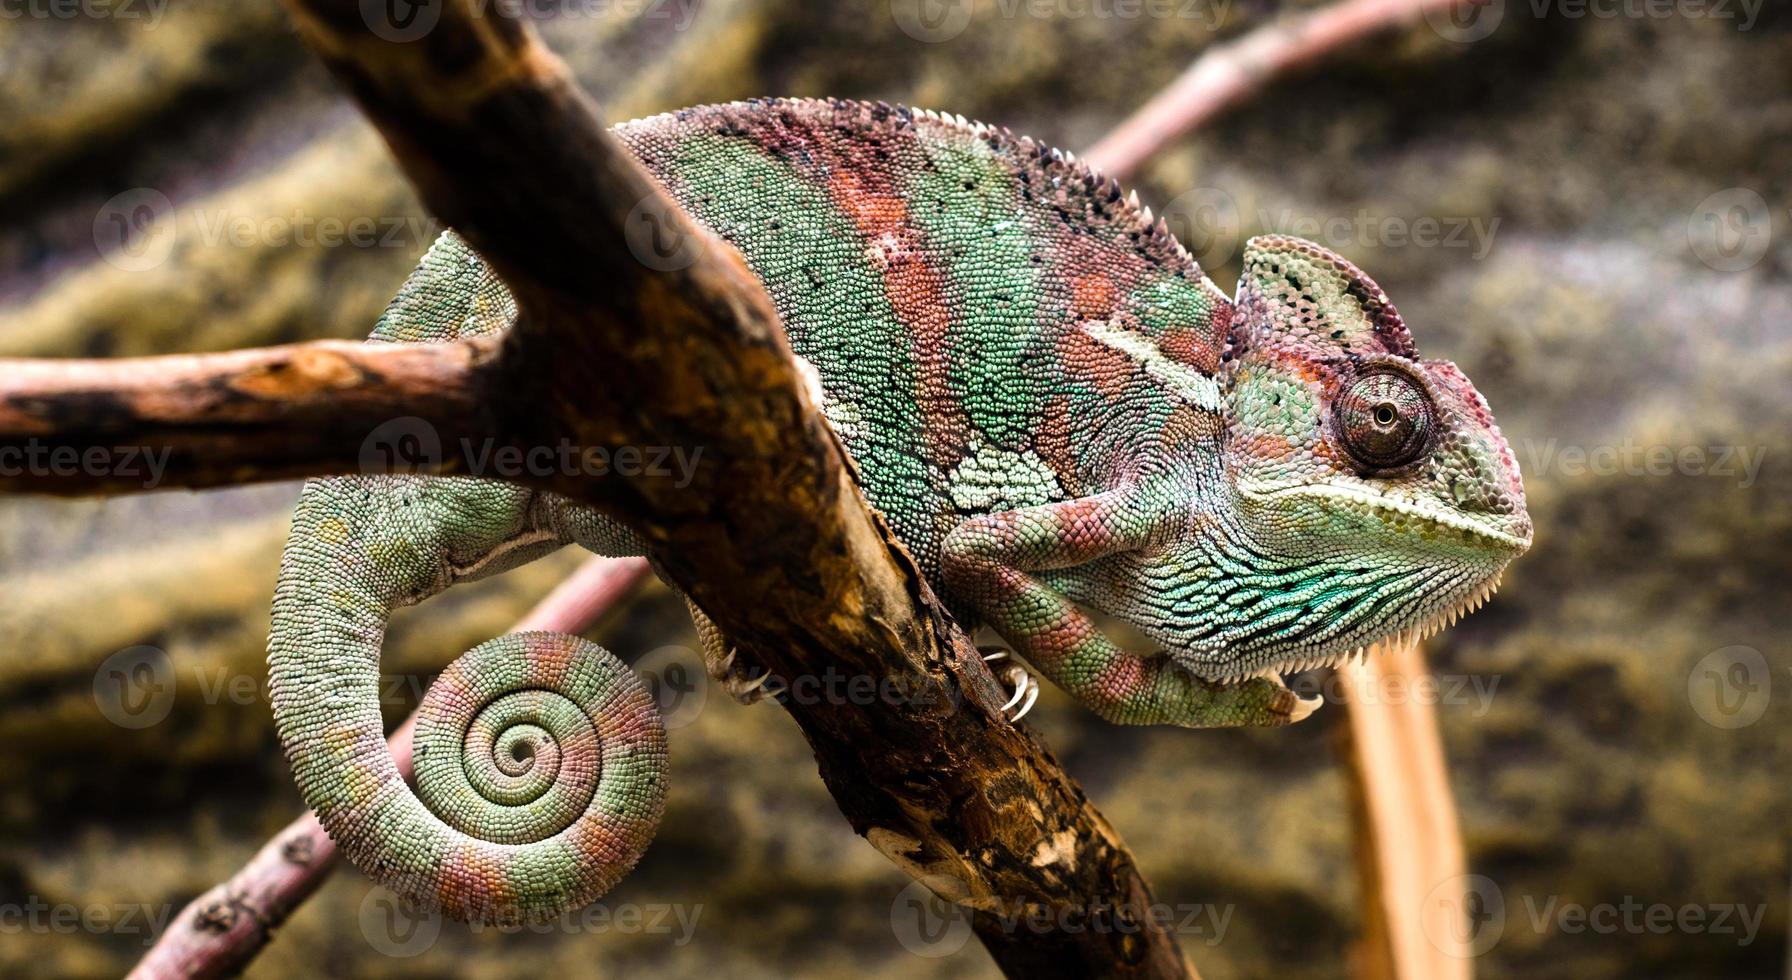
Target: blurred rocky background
{"points": [[1586, 205]]}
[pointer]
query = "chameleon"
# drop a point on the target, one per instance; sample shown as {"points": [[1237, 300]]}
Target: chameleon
{"points": [[1058, 413]]}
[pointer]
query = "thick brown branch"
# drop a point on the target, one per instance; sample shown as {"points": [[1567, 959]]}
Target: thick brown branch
{"points": [[76, 426], [770, 536], [219, 932]]}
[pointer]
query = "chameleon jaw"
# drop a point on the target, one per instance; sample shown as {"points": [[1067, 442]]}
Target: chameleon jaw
{"points": [[1407, 637]]}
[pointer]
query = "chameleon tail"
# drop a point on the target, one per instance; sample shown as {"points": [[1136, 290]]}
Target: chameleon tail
{"points": [[539, 757]]}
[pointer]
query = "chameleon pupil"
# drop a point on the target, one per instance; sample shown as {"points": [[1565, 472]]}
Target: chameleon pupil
{"points": [[1384, 419]]}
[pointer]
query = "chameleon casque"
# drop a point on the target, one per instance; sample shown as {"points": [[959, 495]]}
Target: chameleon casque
{"points": [[1055, 409]]}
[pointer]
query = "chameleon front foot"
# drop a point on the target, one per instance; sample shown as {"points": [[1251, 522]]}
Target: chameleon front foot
{"points": [[1024, 685]]}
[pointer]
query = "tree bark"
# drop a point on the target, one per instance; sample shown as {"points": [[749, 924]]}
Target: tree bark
{"points": [[98, 426]]}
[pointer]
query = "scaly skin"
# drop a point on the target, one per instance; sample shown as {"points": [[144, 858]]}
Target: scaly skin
{"points": [[1056, 410], [540, 758]]}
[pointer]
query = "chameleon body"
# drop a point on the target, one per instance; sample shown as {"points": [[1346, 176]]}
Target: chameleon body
{"points": [[1057, 412]]}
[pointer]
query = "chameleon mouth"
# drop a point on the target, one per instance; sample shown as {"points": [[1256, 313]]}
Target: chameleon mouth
{"points": [[1278, 673]]}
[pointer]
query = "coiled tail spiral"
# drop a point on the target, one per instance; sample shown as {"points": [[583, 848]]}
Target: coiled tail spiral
{"points": [[548, 756], [540, 758]]}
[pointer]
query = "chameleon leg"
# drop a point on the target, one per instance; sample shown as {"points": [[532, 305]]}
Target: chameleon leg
{"points": [[987, 561]]}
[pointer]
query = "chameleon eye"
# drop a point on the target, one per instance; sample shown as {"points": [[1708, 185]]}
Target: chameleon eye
{"points": [[1384, 419]]}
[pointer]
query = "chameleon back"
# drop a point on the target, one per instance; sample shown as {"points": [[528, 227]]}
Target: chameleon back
{"points": [[967, 297]]}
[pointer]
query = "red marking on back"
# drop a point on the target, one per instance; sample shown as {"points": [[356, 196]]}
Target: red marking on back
{"points": [[916, 290], [1093, 296], [1103, 368], [1054, 445], [1196, 348]]}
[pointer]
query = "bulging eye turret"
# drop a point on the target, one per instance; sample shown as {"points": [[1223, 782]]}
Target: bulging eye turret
{"points": [[1384, 419]]}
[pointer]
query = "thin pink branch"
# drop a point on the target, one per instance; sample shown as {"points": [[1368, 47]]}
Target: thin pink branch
{"points": [[219, 932], [1226, 74]]}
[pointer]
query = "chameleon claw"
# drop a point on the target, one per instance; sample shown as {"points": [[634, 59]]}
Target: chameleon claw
{"points": [[753, 685], [1032, 696], [1020, 691]]}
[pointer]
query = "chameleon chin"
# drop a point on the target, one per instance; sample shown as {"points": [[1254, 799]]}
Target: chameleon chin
{"points": [[1056, 410]]}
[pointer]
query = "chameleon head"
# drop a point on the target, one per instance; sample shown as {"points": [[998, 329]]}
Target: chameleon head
{"points": [[1374, 492]]}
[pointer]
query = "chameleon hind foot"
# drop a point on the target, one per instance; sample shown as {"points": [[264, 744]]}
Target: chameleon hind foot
{"points": [[745, 683]]}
